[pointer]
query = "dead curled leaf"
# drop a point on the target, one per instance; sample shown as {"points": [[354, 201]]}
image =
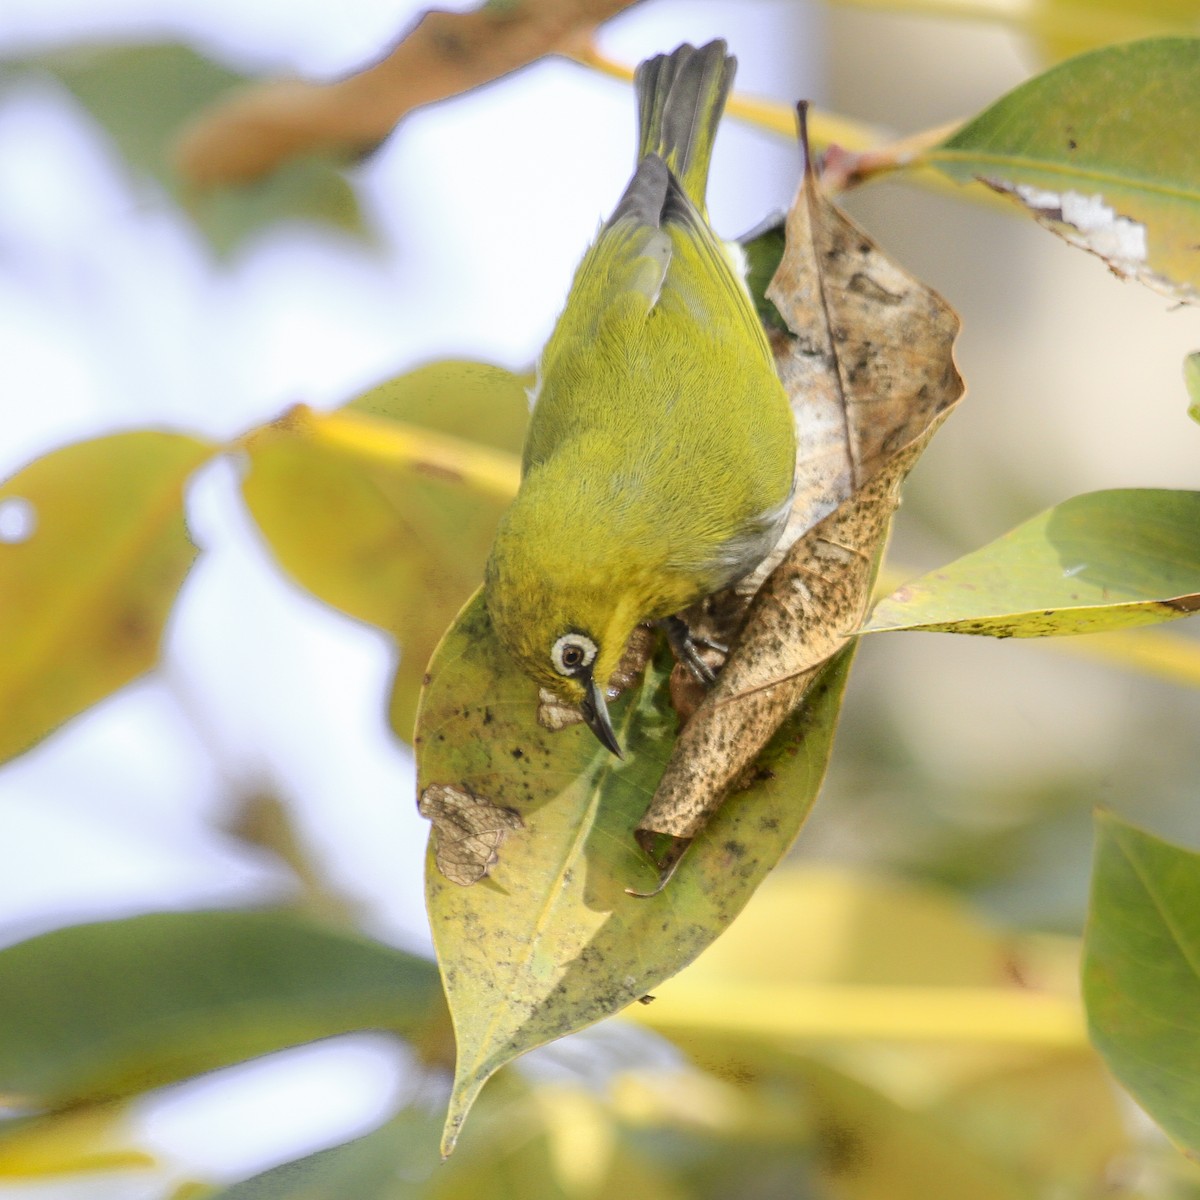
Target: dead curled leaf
{"points": [[469, 830], [258, 129], [870, 370]]}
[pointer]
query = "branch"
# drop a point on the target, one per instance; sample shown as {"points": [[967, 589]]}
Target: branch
{"points": [[259, 128]]}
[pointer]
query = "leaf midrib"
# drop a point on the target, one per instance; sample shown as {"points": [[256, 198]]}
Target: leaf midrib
{"points": [[1066, 171]]}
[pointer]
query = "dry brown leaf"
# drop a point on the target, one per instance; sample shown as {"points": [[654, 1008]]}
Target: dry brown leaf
{"points": [[257, 129], [870, 371], [469, 830]]}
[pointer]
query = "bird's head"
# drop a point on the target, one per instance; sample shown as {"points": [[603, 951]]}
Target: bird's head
{"points": [[563, 617]]}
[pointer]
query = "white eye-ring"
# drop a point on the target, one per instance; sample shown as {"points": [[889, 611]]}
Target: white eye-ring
{"points": [[572, 653]]}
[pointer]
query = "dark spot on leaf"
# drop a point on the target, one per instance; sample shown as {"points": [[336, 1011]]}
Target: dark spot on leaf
{"points": [[426, 679], [487, 716], [517, 752], [733, 848], [1183, 604], [840, 1147], [1072, 144], [867, 287], [132, 627]]}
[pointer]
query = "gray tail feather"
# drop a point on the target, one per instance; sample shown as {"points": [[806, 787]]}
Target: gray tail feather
{"points": [[681, 96]]}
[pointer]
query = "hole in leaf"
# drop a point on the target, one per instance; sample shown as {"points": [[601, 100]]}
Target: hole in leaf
{"points": [[18, 520]]}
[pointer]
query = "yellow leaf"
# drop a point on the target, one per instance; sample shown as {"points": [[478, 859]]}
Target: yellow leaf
{"points": [[93, 549], [824, 953], [833, 925], [475, 401], [1003, 1016], [387, 521], [551, 941], [93, 1138]]}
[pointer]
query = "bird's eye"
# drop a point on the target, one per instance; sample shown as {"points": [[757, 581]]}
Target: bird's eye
{"points": [[572, 653]]}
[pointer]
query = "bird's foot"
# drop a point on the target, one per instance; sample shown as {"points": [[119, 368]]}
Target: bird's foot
{"points": [[687, 649]]}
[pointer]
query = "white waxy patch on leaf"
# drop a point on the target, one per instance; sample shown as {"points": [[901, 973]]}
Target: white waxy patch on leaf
{"points": [[1092, 224], [1114, 237]]}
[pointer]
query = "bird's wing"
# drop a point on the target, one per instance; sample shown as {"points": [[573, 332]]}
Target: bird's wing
{"points": [[656, 252], [703, 267]]}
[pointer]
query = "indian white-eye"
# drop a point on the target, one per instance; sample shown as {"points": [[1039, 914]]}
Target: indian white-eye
{"points": [[660, 457]]}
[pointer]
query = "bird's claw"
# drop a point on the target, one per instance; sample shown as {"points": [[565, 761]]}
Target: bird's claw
{"points": [[685, 647]]}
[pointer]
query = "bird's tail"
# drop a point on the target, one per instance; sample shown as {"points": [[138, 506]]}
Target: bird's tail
{"points": [[681, 96]]}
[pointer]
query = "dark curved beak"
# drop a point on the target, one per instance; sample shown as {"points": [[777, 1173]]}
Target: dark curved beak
{"points": [[595, 712]]}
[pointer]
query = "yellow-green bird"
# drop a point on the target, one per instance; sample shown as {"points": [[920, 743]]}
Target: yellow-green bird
{"points": [[660, 458]]}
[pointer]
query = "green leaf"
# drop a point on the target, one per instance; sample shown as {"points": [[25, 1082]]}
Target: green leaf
{"points": [[548, 1142], [1100, 150], [1141, 972], [551, 942], [100, 1011], [144, 95], [1017, 1114], [1105, 560], [763, 249], [475, 401], [93, 549], [1191, 377], [384, 511], [386, 1164], [869, 1147], [92, 1137]]}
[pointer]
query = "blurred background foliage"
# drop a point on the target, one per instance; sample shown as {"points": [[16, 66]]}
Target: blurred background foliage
{"points": [[948, 858]]}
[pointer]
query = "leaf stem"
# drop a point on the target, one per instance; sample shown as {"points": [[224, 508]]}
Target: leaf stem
{"points": [[398, 444], [824, 128], [856, 152]]}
